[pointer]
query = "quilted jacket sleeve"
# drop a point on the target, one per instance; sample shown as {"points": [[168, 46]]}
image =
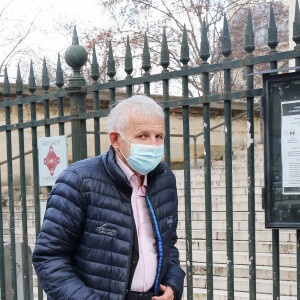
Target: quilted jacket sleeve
{"points": [[175, 275], [57, 241]]}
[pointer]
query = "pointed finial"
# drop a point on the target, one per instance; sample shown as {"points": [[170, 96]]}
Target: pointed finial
{"points": [[185, 52], [226, 42], [45, 76], [272, 31], [128, 59], [6, 85], [59, 74], [19, 83], [249, 36], [75, 37], [164, 59], [31, 80], [75, 55], [111, 67], [95, 67], [146, 65], [204, 47], [296, 25]]}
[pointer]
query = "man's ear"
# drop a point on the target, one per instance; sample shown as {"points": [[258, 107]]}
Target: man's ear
{"points": [[114, 139]]}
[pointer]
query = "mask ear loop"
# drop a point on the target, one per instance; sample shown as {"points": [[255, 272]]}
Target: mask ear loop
{"points": [[120, 148], [124, 138], [122, 153]]}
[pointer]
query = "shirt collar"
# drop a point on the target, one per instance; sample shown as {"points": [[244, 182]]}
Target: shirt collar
{"points": [[127, 171]]}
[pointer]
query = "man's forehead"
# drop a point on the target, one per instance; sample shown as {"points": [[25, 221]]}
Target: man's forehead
{"points": [[141, 122]]}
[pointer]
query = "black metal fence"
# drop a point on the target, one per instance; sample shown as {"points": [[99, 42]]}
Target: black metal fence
{"points": [[76, 92]]}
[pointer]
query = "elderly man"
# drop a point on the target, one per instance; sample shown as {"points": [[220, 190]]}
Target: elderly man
{"points": [[110, 226]]}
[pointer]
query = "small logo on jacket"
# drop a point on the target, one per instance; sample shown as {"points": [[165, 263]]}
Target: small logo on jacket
{"points": [[170, 221], [107, 230]]}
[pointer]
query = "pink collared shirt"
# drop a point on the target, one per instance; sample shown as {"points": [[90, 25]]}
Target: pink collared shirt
{"points": [[146, 269]]}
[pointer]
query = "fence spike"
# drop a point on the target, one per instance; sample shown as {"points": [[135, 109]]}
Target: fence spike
{"points": [[45, 76], [95, 67], [31, 80], [75, 37], [146, 65], [296, 25], [249, 36], [59, 74], [165, 59], [111, 67], [128, 59], [226, 42], [185, 53], [204, 47], [6, 85], [19, 83], [272, 30]]}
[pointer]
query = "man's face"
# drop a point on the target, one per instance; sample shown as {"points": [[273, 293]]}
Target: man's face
{"points": [[142, 130]]}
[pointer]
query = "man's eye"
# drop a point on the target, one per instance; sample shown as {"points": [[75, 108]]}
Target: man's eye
{"points": [[141, 136]]}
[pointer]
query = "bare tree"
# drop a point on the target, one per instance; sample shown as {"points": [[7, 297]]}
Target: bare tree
{"points": [[135, 17], [260, 20], [13, 33]]}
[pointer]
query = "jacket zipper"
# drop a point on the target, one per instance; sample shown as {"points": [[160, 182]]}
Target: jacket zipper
{"points": [[160, 245]]}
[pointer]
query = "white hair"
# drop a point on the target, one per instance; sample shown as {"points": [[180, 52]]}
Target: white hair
{"points": [[119, 115]]}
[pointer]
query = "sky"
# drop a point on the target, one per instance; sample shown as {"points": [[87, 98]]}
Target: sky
{"points": [[46, 37]]}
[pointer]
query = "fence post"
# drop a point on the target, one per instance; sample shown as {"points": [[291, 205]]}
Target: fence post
{"points": [[184, 59], [76, 58], [226, 51]]}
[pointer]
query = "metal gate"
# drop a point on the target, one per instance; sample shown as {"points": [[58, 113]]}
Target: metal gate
{"points": [[74, 96]]}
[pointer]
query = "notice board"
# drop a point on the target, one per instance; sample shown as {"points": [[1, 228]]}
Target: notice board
{"points": [[281, 113]]}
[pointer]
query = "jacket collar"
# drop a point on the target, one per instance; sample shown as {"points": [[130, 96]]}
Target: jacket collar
{"points": [[115, 172]]}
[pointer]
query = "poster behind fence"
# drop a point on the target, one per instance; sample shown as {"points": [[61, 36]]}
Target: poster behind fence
{"points": [[53, 158], [290, 146]]}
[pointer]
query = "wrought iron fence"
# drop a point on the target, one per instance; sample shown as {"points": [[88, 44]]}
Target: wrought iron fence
{"points": [[76, 92]]}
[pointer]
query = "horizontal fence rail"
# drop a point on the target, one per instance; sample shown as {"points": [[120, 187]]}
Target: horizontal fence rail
{"points": [[73, 124], [233, 64]]}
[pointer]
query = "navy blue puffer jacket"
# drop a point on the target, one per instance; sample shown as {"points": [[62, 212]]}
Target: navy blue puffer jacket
{"points": [[85, 245]]}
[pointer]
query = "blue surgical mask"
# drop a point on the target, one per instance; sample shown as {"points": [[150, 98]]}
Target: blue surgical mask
{"points": [[144, 158]]}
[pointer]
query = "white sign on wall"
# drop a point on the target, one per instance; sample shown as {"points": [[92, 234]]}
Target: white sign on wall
{"points": [[53, 158]]}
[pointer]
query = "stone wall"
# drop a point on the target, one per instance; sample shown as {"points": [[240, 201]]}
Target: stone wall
{"points": [[239, 129]]}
